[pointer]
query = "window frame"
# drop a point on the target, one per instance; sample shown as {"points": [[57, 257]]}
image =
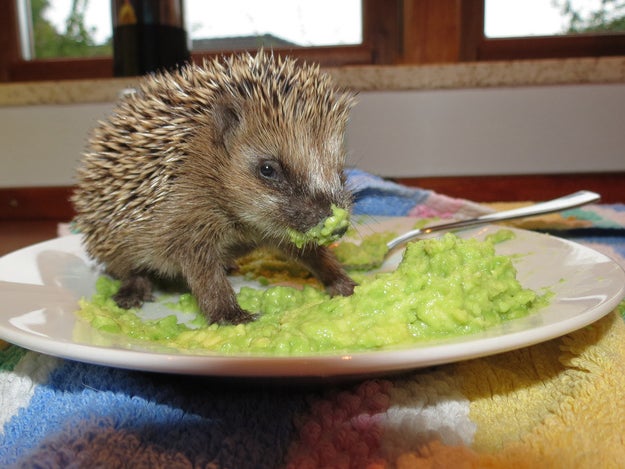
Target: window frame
{"points": [[379, 46], [540, 47], [395, 32]]}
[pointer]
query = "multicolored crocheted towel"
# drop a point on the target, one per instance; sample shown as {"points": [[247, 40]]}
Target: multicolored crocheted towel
{"points": [[556, 404]]}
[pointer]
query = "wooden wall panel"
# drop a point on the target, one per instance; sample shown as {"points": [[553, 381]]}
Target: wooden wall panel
{"points": [[431, 31], [508, 188]]}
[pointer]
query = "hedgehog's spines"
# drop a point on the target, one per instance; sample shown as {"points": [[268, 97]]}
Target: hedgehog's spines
{"points": [[172, 176]]}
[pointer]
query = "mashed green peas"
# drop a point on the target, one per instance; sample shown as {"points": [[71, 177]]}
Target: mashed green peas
{"points": [[324, 232], [368, 254], [443, 287]]}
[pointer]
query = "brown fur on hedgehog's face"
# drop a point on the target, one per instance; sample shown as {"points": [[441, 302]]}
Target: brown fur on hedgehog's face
{"points": [[280, 154], [275, 175]]}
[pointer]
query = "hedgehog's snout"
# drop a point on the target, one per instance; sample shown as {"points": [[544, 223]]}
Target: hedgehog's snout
{"points": [[319, 209], [307, 201]]}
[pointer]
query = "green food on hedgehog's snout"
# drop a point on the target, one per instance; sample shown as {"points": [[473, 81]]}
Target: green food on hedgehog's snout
{"points": [[325, 232], [443, 287]]}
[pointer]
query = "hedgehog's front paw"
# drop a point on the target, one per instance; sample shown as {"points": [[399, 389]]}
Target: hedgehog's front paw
{"points": [[224, 312], [237, 316], [342, 285]]}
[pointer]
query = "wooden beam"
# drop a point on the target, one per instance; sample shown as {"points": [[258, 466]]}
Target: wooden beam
{"points": [[551, 47], [471, 29], [36, 203], [535, 187], [381, 29], [431, 31], [9, 39]]}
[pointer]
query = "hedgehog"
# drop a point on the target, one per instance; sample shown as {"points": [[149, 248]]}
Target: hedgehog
{"points": [[201, 165]]}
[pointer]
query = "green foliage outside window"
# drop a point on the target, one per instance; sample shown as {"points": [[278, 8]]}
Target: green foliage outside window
{"points": [[607, 17], [76, 41]]}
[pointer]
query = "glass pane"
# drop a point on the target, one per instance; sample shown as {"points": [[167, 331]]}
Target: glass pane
{"points": [[514, 18], [240, 24], [69, 28], [83, 28]]}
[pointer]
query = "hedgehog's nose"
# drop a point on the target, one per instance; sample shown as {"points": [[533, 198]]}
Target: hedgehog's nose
{"points": [[339, 231]]}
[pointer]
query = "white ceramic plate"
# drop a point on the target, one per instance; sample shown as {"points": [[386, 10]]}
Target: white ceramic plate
{"points": [[40, 286]]}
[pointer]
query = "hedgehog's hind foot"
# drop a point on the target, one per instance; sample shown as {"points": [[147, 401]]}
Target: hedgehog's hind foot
{"points": [[133, 292]]}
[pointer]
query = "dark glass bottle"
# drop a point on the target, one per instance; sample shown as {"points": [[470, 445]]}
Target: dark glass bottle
{"points": [[148, 35]]}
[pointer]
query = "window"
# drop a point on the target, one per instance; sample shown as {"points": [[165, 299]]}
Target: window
{"points": [[519, 18], [240, 24], [367, 32], [73, 38], [66, 28], [555, 28]]}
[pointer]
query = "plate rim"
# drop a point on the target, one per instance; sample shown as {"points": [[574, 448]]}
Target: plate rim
{"points": [[344, 364]]}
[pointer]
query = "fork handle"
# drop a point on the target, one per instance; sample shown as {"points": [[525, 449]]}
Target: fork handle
{"points": [[568, 201]]}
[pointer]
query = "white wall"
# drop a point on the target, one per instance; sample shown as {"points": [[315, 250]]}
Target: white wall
{"points": [[41, 145], [490, 131], [393, 133]]}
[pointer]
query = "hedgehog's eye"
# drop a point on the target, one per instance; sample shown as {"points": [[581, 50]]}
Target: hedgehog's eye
{"points": [[271, 170]]}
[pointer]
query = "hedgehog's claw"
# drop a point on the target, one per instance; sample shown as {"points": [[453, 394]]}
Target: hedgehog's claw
{"points": [[233, 316]]}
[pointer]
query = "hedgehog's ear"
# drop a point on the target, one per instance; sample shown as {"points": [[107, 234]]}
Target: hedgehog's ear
{"points": [[227, 119]]}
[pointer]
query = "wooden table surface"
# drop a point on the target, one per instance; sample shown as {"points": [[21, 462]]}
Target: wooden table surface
{"points": [[15, 234]]}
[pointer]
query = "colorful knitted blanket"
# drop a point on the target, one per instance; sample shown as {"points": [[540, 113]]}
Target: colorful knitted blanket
{"points": [[558, 404]]}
